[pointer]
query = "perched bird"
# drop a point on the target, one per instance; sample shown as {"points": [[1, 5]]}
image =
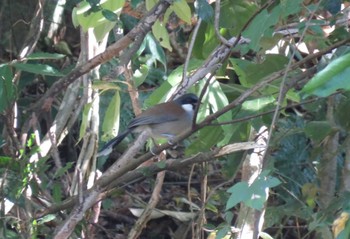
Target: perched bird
{"points": [[165, 120]]}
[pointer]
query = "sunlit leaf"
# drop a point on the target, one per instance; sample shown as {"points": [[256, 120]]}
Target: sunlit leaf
{"points": [[161, 34], [156, 50], [87, 17], [150, 4], [140, 75], [332, 78]]}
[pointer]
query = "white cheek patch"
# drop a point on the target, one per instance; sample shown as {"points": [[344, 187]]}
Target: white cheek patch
{"points": [[188, 108]]}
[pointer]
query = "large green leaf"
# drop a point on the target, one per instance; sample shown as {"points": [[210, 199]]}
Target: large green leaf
{"points": [[254, 195], [40, 69], [182, 10], [239, 193], [259, 190], [261, 26], [161, 34], [332, 78], [264, 23], [156, 50], [250, 73], [206, 41], [207, 137], [317, 130], [235, 14], [218, 100], [87, 17]]}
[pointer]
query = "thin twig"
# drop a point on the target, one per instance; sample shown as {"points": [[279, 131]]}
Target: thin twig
{"points": [[282, 90], [188, 56], [216, 24]]}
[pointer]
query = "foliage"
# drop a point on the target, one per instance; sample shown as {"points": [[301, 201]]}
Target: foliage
{"points": [[294, 60]]}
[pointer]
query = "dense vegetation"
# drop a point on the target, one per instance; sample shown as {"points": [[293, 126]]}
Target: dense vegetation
{"points": [[268, 155]]}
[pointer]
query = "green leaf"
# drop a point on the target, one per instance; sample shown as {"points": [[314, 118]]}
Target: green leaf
{"points": [[45, 56], [239, 193], [87, 17], [261, 26], [150, 4], [206, 41], [85, 120], [341, 113], [235, 14], [102, 30], [63, 47], [104, 85], [288, 8], [111, 119], [38, 69], [207, 137], [7, 88], [332, 78], [109, 15], [182, 10], [140, 75], [254, 195], [93, 2], [223, 233], [155, 49], [251, 73], [317, 130], [57, 191], [218, 100], [134, 3], [211, 207], [258, 190], [161, 34], [47, 218], [204, 10], [333, 6], [257, 104], [61, 171]]}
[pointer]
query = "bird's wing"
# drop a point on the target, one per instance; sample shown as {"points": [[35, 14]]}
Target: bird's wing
{"points": [[148, 120], [147, 117]]}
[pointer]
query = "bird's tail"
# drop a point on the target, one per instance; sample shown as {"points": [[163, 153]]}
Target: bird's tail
{"points": [[107, 148]]}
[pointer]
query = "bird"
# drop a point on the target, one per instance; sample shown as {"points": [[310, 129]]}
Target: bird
{"points": [[165, 120]]}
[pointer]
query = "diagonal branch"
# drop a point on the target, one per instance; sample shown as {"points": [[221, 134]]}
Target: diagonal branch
{"points": [[139, 31]]}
